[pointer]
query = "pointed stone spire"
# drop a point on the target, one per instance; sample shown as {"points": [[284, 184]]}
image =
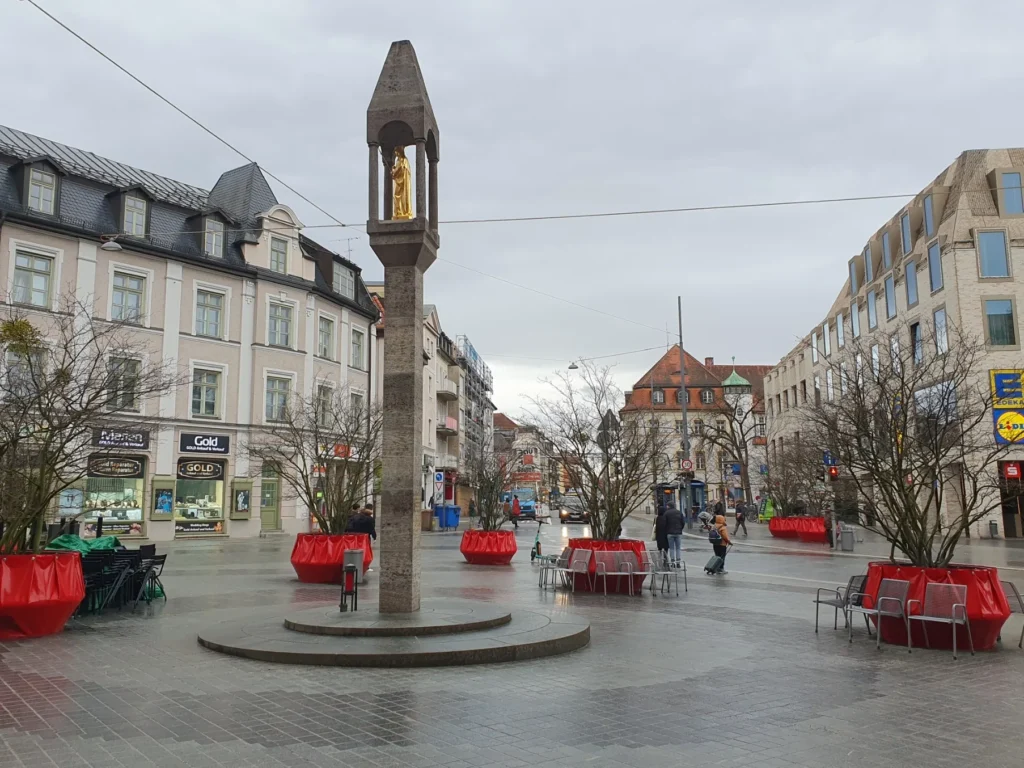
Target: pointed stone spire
{"points": [[400, 111]]}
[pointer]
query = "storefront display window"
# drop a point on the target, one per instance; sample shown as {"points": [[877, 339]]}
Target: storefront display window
{"points": [[199, 497], [114, 490]]}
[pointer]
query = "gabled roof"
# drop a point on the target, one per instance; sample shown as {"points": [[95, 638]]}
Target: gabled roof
{"points": [[665, 372], [503, 422], [25, 146]]}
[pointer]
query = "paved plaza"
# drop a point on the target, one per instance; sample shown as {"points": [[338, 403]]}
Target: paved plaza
{"points": [[729, 674]]}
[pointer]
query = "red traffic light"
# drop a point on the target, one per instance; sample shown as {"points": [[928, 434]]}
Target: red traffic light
{"points": [[833, 473]]}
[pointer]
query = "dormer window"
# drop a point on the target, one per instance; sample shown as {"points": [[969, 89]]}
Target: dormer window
{"points": [[214, 239], [344, 281], [658, 396], [279, 255], [134, 215], [42, 189]]}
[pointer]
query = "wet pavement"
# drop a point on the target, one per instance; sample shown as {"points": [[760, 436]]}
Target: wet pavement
{"points": [[729, 674]]}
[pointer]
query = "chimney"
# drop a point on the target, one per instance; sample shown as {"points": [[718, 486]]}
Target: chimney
{"points": [[709, 361]]}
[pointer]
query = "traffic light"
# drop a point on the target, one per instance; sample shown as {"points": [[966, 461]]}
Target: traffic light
{"points": [[833, 473]]}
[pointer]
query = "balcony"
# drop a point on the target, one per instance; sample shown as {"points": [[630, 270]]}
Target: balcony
{"points": [[448, 426], [446, 461], [447, 390]]}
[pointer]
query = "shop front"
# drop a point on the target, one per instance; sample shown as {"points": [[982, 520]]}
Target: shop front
{"points": [[115, 493], [199, 497]]}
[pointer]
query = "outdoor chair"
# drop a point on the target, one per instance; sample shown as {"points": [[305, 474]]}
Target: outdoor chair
{"points": [[126, 565], [839, 599], [611, 564], [659, 568], [579, 563], [147, 551], [549, 566], [151, 581], [891, 602], [1016, 604], [943, 604]]}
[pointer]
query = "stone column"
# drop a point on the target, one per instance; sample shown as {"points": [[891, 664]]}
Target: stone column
{"points": [[389, 200], [403, 449], [433, 195], [421, 179], [374, 200]]}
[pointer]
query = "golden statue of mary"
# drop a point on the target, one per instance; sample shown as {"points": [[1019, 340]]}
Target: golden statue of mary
{"points": [[401, 186]]}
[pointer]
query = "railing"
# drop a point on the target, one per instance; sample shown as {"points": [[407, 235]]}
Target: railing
{"points": [[447, 461], [448, 389]]}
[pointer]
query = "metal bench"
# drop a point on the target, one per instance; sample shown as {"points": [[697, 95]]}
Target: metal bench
{"points": [[614, 564], [943, 604], [1016, 604], [891, 602], [839, 599]]}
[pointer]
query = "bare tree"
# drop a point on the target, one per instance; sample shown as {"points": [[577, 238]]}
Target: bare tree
{"points": [[729, 431], [911, 425], [64, 375], [326, 450], [609, 463], [795, 483], [490, 469]]}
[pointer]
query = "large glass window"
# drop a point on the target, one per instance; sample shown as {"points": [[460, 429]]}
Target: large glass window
{"points": [[134, 216], [929, 217], [114, 490], [855, 319], [941, 337], [886, 251], [1000, 326], [827, 337], [209, 308], [199, 497], [894, 353], [906, 239], [357, 348], [853, 277], [869, 267], [277, 397], [41, 188], [934, 267], [324, 403], [911, 283], [917, 343], [32, 276], [123, 384], [214, 241], [875, 362], [829, 388], [814, 347], [1013, 201], [344, 281], [128, 296], [840, 330], [992, 254], [206, 393], [280, 325], [890, 297], [872, 311], [279, 255], [326, 341]]}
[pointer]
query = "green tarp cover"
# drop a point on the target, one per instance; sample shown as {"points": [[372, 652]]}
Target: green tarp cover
{"points": [[71, 543]]}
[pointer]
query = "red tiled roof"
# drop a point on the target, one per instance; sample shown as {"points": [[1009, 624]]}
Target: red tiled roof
{"points": [[501, 421]]}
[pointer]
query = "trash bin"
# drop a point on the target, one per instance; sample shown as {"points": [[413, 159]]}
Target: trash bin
{"points": [[426, 520], [847, 539], [353, 557], [993, 529]]}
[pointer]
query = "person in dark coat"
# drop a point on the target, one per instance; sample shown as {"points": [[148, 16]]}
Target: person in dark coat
{"points": [[673, 522], [661, 537], [360, 522]]}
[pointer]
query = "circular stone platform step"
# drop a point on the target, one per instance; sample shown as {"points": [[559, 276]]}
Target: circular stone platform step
{"points": [[528, 635], [435, 617]]}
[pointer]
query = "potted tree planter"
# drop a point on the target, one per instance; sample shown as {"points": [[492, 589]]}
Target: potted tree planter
{"points": [[491, 473], [38, 593], [317, 557]]}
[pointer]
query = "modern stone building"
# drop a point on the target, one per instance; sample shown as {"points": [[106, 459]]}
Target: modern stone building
{"points": [[224, 286], [949, 258], [710, 390]]}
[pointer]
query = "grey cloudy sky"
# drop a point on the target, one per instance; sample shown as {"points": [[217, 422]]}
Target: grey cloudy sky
{"points": [[560, 107]]}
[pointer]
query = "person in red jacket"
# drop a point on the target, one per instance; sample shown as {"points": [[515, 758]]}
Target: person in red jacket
{"points": [[516, 511]]}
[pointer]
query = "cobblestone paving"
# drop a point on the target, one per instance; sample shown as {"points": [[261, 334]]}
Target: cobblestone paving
{"points": [[729, 674]]}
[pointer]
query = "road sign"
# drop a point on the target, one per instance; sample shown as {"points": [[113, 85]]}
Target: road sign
{"points": [[828, 459], [737, 469], [439, 477], [764, 469], [686, 465]]}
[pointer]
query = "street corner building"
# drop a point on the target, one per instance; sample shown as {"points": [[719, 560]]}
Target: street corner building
{"points": [[948, 259], [222, 285], [726, 427]]}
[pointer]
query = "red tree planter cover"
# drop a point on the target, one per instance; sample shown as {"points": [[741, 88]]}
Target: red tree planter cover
{"points": [[618, 584], [317, 557], [987, 609], [38, 593], [803, 528], [488, 547]]}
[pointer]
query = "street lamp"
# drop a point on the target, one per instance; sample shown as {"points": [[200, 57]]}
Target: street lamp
{"points": [[573, 367]]}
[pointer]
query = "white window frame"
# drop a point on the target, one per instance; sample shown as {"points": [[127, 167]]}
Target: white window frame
{"points": [[333, 357], [317, 385], [357, 392], [141, 360], [124, 214], [131, 269], [270, 257], [337, 285], [225, 291], [352, 346], [206, 365], [218, 237], [57, 254], [658, 396], [707, 396], [294, 335], [52, 186], [50, 301], [274, 373]]}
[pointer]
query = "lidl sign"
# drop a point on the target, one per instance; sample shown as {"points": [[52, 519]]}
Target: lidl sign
{"points": [[1009, 425]]}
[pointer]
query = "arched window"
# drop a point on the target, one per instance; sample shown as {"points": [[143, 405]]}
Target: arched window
{"points": [[658, 396], [707, 396], [682, 393]]}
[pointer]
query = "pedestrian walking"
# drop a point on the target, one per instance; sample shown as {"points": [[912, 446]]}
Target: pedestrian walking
{"points": [[674, 533], [720, 541], [361, 521], [472, 507], [741, 518], [661, 537], [516, 511]]}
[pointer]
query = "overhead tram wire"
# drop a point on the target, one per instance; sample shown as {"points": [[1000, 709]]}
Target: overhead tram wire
{"points": [[578, 359]]}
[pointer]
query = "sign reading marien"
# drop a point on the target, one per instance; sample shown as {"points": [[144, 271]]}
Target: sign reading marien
{"points": [[121, 438]]}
